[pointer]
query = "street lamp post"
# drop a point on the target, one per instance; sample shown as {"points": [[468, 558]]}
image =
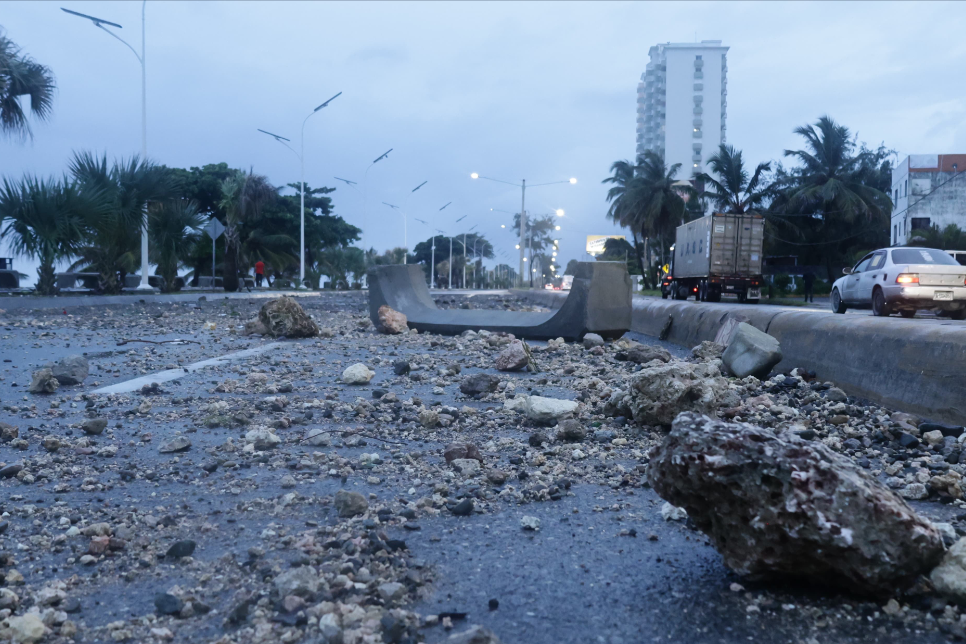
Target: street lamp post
{"points": [[301, 157], [99, 23], [523, 207], [365, 194], [403, 212]]}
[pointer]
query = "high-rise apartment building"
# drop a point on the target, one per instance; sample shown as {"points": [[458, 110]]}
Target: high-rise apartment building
{"points": [[682, 102]]}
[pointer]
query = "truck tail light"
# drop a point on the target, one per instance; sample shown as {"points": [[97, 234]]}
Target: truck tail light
{"points": [[907, 278]]}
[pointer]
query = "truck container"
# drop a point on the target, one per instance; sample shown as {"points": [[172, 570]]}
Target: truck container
{"points": [[717, 255]]}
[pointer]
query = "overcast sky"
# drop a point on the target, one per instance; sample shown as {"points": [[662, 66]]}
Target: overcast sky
{"points": [[537, 91]]}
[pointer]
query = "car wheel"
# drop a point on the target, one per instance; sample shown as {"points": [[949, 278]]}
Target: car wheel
{"points": [[907, 314], [836, 301], [959, 314], [879, 306]]}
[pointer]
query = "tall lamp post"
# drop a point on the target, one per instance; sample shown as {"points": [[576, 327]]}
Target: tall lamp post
{"points": [[301, 156], [99, 23], [432, 257], [523, 206], [365, 194], [403, 211]]}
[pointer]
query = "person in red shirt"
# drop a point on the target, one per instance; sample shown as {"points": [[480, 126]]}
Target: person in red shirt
{"points": [[259, 272]]}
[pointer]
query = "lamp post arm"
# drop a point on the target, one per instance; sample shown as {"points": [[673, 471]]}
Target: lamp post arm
{"points": [[106, 30]]}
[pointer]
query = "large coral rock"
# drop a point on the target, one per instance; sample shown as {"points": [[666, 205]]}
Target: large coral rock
{"points": [[392, 321], [285, 316], [43, 382], [775, 504], [656, 394], [71, 370]]}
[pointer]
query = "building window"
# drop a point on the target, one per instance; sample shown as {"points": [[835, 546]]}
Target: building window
{"points": [[895, 233], [897, 195], [905, 187], [920, 223]]}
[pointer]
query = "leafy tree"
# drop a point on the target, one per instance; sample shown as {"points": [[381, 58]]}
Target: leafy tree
{"points": [[21, 76], [173, 228], [44, 219], [734, 191], [619, 250], [834, 202], [540, 235], [952, 237], [112, 243], [244, 194], [338, 263], [623, 199]]}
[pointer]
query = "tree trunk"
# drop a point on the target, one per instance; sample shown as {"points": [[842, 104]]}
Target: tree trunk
{"points": [[46, 280], [230, 271], [640, 258]]}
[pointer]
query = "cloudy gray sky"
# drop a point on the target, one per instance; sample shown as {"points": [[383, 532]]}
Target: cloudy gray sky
{"points": [[542, 91]]}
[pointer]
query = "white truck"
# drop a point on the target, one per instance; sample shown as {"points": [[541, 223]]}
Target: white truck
{"points": [[717, 255]]}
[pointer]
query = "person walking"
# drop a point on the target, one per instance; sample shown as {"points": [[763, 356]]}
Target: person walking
{"points": [[808, 282], [259, 273]]}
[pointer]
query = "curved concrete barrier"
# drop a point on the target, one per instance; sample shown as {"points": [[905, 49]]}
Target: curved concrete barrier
{"points": [[599, 302], [913, 365]]}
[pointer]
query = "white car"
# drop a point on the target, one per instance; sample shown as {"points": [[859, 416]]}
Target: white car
{"points": [[903, 280]]}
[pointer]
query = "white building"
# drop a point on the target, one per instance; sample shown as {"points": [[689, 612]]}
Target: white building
{"points": [[682, 102], [927, 190]]}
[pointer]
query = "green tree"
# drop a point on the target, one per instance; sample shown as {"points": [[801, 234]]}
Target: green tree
{"points": [[833, 202], [340, 262], [21, 76], [732, 190], [619, 250], [541, 232], [624, 202], [952, 237], [44, 220], [244, 194], [173, 228], [111, 246]]}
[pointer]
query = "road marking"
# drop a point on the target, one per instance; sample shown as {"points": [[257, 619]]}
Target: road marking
{"points": [[173, 374]]}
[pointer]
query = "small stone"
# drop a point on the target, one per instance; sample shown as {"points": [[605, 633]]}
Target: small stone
{"points": [[673, 513], [286, 317], [513, 357], [401, 367], [475, 635], [908, 441], [357, 374], [751, 352], [455, 451], [8, 432], [530, 523], [179, 549], [392, 592], [707, 350], [43, 382], [466, 466], [549, 411], [302, 582], [350, 504], [94, 426], [464, 508], [592, 340], [429, 418], [933, 438], [71, 370], [177, 444], [537, 439], [288, 481], [392, 321], [571, 430], [262, 439], [479, 383], [24, 629], [834, 394], [167, 604]]}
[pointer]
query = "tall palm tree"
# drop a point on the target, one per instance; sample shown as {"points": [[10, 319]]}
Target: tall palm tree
{"points": [[830, 181], [21, 76], [112, 244], [44, 219], [174, 230], [733, 191], [833, 188], [621, 199], [662, 204], [243, 196]]}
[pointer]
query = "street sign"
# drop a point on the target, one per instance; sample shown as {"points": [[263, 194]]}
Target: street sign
{"points": [[214, 228]]}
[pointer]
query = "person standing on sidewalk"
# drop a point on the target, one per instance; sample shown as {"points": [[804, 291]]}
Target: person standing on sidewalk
{"points": [[259, 272], [808, 282]]}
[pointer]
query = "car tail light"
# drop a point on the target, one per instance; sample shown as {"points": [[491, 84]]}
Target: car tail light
{"points": [[907, 278]]}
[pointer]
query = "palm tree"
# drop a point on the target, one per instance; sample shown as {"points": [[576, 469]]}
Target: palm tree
{"points": [[173, 228], [621, 210], [832, 186], [112, 244], [43, 219], [21, 76], [733, 191], [662, 204], [243, 196], [338, 262]]}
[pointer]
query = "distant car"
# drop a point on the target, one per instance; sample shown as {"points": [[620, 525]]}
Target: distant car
{"points": [[903, 280], [548, 287]]}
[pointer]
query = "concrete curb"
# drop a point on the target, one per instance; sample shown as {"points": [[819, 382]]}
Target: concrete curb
{"points": [[915, 367], [29, 302]]}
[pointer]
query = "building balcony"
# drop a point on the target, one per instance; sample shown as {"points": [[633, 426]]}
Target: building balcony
{"points": [[698, 99], [699, 87], [697, 122], [698, 75], [696, 134], [698, 111]]}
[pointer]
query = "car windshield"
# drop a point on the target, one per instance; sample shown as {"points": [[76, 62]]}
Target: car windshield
{"points": [[922, 256]]}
